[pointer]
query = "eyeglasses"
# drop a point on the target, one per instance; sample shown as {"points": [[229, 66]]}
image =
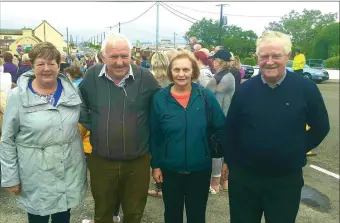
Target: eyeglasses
{"points": [[274, 56]]}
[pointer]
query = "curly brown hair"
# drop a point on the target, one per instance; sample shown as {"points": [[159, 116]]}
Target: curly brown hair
{"points": [[191, 57], [74, 71], [45, 50]]}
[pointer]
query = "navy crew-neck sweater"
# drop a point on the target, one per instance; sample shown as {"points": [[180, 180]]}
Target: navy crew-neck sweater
{"points": [[266, 127]]}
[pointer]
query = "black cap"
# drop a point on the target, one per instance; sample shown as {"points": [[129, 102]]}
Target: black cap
{"points": [[222, 54]]}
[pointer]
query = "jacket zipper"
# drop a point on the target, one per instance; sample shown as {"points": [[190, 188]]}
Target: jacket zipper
{"points": [[124, 102], [185, 140], [107, 121]]}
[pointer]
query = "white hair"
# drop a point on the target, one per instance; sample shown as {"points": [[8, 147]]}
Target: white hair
{"points": [[112, 38], [25, 58], [276, 37]]}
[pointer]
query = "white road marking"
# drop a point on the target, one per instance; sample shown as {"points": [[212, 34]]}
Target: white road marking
{"points": [[325, 171]]}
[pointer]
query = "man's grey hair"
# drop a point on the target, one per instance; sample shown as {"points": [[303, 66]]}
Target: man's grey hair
{"points": [[25, 58], [112, 38], [274, 37]]}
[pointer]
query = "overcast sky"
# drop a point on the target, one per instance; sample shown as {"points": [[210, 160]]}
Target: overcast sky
{"points": [[86, 19]]}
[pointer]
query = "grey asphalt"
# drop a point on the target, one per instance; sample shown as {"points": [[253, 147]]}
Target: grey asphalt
{"points": [[317, 184]]}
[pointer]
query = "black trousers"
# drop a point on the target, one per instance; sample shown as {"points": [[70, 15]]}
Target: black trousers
{"points": [[191, 190], [252, 194], [60, 217]]}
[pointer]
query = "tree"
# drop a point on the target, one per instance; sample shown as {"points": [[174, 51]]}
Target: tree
{"points": [[238, 41], [303, 27], [326, 43]]}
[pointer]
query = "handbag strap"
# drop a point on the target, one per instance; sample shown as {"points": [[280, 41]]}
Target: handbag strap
{"points": [[207, 110]]}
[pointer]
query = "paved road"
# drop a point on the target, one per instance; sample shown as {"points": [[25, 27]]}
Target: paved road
{"points": [[217, 212]]}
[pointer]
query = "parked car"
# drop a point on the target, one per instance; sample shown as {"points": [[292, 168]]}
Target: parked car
{"points": [[248, 70], [317, 75]]}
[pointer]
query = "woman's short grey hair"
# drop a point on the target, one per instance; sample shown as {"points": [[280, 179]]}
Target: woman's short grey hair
{"points": [[273, 37], [112, 37], [25, 58]]}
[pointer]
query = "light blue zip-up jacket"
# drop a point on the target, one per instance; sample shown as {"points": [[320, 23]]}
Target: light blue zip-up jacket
{"points": [[41, 149]]}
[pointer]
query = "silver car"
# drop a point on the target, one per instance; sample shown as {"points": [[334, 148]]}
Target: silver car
{"points": [[317, 75]]}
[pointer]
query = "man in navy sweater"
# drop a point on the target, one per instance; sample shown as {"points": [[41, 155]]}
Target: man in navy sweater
{"points": [[267, 139]]}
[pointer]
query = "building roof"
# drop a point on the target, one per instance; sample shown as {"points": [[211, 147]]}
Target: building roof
{"points": [[44, 21], [10, 31]]}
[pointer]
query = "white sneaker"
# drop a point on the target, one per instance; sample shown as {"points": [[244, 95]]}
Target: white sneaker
{"points": [[116, 219], [87, 221]]}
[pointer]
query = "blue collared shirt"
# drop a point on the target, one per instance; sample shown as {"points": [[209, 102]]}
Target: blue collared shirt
{"points": [[122, 82], [278, 83]]}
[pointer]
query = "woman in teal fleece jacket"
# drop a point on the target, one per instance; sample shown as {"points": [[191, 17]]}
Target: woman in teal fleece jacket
{"points": [[181, 158]]}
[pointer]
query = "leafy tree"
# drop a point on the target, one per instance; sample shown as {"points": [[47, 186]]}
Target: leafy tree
{"points": [[238, 41], [326, 43], [303, 27]]}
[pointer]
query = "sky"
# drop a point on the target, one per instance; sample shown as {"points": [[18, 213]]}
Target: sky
{"points": [[86, 19]]}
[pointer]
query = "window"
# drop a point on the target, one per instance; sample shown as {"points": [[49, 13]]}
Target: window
{"points": [[7, 37]]}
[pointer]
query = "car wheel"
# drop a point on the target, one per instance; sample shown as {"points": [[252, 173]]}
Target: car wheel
{"points": [[308, 76]]}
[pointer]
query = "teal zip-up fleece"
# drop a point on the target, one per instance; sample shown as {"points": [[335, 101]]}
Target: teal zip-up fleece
{"points": [[179, 140]]}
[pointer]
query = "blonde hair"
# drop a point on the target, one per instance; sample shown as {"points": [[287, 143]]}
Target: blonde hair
{"points": [[273, 36], [170, 54], [237, 63], [226, 65], [159, 65]]}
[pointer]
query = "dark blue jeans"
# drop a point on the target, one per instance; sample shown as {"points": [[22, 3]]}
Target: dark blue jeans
{"points": [[60, 217]]}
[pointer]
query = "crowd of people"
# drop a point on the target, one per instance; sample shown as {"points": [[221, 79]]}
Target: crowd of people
{"points": [[185, 116]]}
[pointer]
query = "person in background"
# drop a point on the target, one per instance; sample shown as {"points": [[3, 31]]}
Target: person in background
{"points": [[63, 62], [171, 53], [223, 85], [9, 66], [267, 138], [299, 62], [75, 74], [236, 72], [210, 61], [181, 159], [237, 64], [197, 47], [25, 66], [205, 73], [41, 157], [159, 64], [144, 62], [74, 60]]}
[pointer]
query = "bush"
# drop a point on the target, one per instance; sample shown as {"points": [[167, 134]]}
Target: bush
{"points": [[333, 62], [249, 61]]}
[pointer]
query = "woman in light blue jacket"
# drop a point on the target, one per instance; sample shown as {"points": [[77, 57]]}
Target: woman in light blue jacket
{"points": [[41, 152]]}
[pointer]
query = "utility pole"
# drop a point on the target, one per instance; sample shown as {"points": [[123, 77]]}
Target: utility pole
{"points": [[157, 26], [76, 40], [101, 38], [97, 39], [104, 35], [68, 49], [221, 22], [175, 40], [119, 27]]}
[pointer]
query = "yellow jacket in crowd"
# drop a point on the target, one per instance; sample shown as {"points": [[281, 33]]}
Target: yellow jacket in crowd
{"points": [[299, 61], [85, 135]]}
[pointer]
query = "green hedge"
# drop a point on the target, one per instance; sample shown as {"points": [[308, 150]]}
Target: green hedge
{"points": [[249, 61], [333, 62]]}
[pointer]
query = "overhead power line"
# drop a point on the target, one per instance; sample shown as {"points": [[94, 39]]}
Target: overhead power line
{"points": [[176, 14], [139, 15], [258, 16], [180, 12]]}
